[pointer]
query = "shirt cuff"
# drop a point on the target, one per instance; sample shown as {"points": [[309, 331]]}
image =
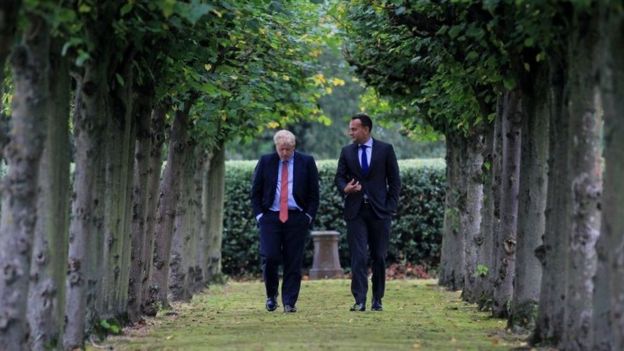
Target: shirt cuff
{"points": [[259, 216]]}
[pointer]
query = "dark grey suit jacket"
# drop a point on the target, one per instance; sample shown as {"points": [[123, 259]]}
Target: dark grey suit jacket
{"points": [[382, 184]]}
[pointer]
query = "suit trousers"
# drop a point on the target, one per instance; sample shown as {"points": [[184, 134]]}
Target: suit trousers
{"points": [[283, 243], [368, 234]]}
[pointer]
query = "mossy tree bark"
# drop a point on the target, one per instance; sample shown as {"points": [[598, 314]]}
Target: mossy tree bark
{"points": [[485, 237], [169, 195], [452, 255], [180, 255], [119, 151], [609, 282], [157, 137], [46, 298], [470, 212], [532, 203], [586, 183], [549, 325], [214, 211], [89, 121], [142, 111], [198, 220], [497, 188], [505, 242], [30, 64]]}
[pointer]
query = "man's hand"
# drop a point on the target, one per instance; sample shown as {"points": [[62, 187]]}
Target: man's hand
{"points": [[353, 187]]}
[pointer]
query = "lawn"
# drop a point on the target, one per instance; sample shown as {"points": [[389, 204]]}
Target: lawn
{"points": [[418, 315]]}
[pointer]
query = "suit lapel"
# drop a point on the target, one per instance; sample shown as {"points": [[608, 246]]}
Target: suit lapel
{"points": [[355, 161], [273, 169], [296, 170], [374, 156]]}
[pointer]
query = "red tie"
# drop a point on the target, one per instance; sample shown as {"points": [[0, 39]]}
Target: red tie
{"points": [[283, 213]]}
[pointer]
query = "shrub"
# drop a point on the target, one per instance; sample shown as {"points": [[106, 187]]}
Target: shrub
{"points": [[416, 231]]}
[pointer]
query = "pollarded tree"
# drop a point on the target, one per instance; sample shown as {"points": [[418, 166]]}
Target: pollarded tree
{"points": [[29, 62]]}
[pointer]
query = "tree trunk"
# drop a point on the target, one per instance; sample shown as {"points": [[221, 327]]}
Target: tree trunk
{"points": [[452, 255], [497, 194], [586, 184], [139, 203], [46, 298], [549, 325], [30, 63], [127, 95], [214, 218], [484, 239], [169, 194], [118, 172], [198, 219], [470, 213], [532, 204], [157, 136], [89, 120], [95, 245], [609, 281], [182, 233], [505, 243]]}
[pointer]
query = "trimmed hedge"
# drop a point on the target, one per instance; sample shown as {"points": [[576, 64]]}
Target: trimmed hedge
{"points": [[416, 231]]}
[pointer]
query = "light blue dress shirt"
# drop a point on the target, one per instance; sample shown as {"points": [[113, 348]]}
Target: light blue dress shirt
{"points": [[292, 205]]}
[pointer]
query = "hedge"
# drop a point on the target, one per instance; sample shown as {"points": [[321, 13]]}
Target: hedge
{"points": [[416, 231]]}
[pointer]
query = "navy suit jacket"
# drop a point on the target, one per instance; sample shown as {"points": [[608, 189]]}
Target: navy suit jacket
{"points": [[305, 183], [382, 184]]}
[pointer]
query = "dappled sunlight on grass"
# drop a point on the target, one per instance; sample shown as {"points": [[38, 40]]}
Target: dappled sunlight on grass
{"points": [[418, 315]]}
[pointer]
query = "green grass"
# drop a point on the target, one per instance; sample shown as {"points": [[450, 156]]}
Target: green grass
{"points": [[418, 315]]}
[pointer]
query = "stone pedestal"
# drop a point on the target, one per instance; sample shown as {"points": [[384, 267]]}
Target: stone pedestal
{"points": [[326, 263]]}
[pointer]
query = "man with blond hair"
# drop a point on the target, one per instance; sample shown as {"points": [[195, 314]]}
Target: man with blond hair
{"points": [[284, 198]]}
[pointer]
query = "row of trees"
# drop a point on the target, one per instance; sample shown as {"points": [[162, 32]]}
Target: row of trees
{"points": [[521, 89], [94, 225], [345, 95]]}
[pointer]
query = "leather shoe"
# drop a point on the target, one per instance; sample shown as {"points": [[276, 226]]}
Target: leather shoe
{"points": [[271, 304], [376, 306], [289, 309], [358, 307]]}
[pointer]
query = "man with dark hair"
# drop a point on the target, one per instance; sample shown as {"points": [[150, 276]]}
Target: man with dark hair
{"points": [[285, 198], [368, 178]]}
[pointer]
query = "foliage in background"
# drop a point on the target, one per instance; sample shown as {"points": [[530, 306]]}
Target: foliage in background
{"points": [[416, 231], [344, 95]]}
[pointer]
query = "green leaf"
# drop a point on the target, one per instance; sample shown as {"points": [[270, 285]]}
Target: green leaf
{"points": [[120, 79], [125, 9], [454, 31], [83, 56], [472, 56]]}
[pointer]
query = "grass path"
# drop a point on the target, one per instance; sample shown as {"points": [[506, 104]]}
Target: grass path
{"points": [[418, 315]]}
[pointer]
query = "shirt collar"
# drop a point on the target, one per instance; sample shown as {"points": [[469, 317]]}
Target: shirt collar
{"points": [[369, 143], [288, 160]]}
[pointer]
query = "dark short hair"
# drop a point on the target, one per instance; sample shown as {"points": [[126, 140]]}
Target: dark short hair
{"points": [[365, 119]]}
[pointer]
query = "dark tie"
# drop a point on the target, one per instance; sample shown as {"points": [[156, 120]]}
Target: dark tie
{"points": [[283, 212], [364, 160]]}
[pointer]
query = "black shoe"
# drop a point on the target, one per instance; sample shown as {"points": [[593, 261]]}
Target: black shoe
{"points": [[376, 306], [290, 309], [271, 304], [358, 307]]}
